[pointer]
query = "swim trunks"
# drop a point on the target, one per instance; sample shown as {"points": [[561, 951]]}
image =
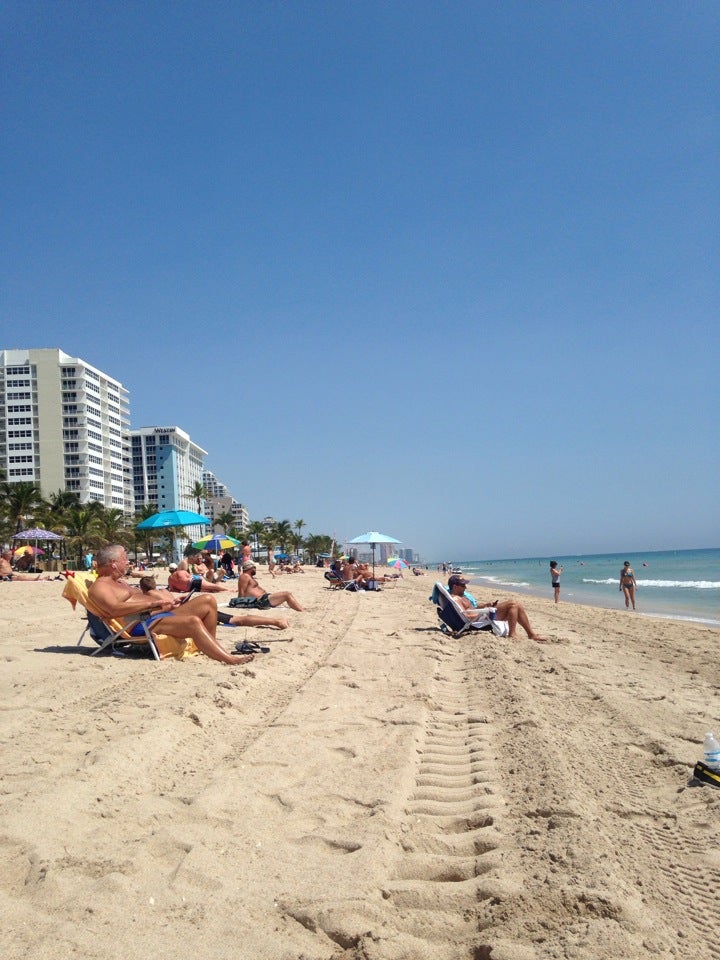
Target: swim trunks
{"points": [[252, 603], [138, 631]]}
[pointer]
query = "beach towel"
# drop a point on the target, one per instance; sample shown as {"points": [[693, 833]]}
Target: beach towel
{"points": [[169, 648]]}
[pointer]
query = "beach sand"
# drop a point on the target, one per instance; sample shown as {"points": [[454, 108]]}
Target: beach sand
{"points": [[372, 789]]}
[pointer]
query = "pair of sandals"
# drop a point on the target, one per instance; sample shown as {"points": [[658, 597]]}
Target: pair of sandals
{"points": [[249, 646]]}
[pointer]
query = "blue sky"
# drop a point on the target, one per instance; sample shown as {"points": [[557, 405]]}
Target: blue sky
{"points": [[444, 270]]}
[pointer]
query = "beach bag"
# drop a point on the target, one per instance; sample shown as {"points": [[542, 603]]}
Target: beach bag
{"points": [[246, 603], [706, 774], [501, 628]]}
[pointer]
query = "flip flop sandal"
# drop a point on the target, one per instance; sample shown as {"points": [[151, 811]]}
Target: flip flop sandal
{"points": [[247, 646]]}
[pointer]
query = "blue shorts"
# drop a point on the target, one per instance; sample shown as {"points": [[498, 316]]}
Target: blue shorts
{"points": [[138, 629]]}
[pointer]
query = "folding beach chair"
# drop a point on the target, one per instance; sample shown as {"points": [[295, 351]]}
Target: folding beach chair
{"points": [[455, 622], [107, 632], [337, 583]]}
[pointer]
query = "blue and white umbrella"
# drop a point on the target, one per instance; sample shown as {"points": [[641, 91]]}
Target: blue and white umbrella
{"points": [[373, 538]]}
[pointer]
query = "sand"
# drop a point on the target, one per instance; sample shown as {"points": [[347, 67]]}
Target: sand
{"points": [[371, 789]]}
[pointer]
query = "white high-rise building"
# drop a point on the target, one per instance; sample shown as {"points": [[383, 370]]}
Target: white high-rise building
{"points": [[64, 426], [166, 465], [220, 500]]}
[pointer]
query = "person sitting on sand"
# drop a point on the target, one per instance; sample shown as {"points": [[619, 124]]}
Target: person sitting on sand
{"points": [[118, 600], [509, 610], [7, 572], [250, 591]]}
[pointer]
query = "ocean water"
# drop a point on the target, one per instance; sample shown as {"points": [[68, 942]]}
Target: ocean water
{"points": [[680, 584]]}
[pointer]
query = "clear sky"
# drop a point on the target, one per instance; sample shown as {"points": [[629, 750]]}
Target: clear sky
{"points": [[444, 270]]}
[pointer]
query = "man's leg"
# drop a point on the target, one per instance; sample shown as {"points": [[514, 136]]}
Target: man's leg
{"points": [[248, 620], [184, 626], [515, 613], [204, 606], [284, 596], [507, 610]]}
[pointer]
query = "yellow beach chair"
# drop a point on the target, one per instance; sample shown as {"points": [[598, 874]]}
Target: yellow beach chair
{"points": [[110, 633]]}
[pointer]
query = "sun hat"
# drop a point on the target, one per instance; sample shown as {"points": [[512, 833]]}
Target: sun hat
{"points": [[248, 565]]}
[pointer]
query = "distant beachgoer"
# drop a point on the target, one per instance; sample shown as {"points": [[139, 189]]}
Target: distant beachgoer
{"points": [[628, 584], [7, 572], [555, 572]]}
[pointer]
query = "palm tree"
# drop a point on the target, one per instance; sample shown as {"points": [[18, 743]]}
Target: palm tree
{"points": [[256, 529], [62, 499], [224, 520], [112, 526], [199, 493], [22, 501], [283, 532], [316, 543], [82, 526], [269, 539], [147, 537], [297, 542]]}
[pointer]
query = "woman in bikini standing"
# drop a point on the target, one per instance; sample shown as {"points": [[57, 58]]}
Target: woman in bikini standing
{"points": [[628, 584]]}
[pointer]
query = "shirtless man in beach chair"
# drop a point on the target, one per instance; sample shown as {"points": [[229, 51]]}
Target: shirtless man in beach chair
{"points": [[118, 600], [509, 610], [252, 595], [7, 572]]}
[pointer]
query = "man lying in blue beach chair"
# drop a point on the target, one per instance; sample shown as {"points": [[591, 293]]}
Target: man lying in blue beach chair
{"points": [[510, 611]]}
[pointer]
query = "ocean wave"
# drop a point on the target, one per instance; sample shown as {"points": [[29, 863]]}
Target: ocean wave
{"points": [[498, 581], [676, 584]]}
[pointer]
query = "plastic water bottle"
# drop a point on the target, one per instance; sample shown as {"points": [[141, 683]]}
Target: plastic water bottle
{"points": [[712, 752]]}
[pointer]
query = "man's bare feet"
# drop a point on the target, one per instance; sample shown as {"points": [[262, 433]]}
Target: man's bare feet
{"points": [[283, 624], [236, 661]]}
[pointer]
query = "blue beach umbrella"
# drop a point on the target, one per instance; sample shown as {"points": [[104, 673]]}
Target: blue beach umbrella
{"points": [[168, 519], [172, 518], [373, 538]]}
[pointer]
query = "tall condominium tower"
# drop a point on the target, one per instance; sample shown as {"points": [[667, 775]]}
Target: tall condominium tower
{"points": [[220, 500], [166, 465], [64, 425]]}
